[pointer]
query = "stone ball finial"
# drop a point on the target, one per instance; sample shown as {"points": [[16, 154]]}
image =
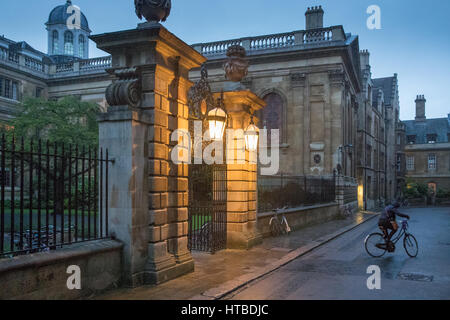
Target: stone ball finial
{"points": [[236, 66], [153, 10]]}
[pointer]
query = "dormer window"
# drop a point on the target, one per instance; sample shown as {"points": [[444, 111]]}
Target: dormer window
{"points": [[411, 139], [432, 138]]}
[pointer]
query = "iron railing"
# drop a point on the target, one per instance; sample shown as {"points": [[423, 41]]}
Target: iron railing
{"points": [[275, 192], [51, 195], [207, 207]]}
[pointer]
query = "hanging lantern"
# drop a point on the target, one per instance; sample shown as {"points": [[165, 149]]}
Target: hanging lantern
{"points": [[251, 137], [217, 119]]}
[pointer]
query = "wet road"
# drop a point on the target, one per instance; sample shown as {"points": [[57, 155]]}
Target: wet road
{"points": [[338, 269]]}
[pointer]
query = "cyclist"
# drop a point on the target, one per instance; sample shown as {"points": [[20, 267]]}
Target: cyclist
{"points": [[387, 221]]}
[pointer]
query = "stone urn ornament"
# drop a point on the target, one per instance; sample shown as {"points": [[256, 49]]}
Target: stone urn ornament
{"points": [[236, 66], [153, 10]]}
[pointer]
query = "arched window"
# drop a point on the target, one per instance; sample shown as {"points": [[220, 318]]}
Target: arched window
{"points": [[68, 43], [272, 115], [81, 45], [55, 42]]}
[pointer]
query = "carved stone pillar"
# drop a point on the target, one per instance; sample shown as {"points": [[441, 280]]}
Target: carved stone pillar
{"points": [[242, 174], [148, 202]]}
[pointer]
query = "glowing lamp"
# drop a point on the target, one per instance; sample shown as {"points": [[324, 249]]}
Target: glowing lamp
{"points": [[217, 119], [251, 137]]}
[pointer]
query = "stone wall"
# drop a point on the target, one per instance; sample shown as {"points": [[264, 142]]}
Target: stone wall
{"points": [[421, 173], [317, 112], [44, 275], [300, 217]]}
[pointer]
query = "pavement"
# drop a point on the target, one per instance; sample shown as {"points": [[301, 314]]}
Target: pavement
{"points": [[337, 270], [220, 274]]}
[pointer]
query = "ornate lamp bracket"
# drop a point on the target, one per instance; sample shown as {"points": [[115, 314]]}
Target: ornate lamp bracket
{"points": [[200, 97]]}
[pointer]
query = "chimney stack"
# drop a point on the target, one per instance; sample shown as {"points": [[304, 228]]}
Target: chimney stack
{"points": [[314, 18], [364, 57], [420, 108]]}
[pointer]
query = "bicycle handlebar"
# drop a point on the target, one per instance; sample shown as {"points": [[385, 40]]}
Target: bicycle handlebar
{"points": [[280, 209]]}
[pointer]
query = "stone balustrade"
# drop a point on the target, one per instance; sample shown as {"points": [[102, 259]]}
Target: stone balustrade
{"points": [[280, 41], [85, 66], [318, 35], [34, 64], [96, 63], [46, 70], [10, 56], [65, 67], [219, 47]]}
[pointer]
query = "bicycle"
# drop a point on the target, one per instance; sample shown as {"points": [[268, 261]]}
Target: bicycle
{"points": [[205, 232], [279, 226], [376, 245], [347, 211]]}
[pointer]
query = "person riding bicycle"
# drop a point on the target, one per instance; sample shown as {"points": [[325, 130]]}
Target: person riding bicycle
{"points": [[387, 221]]}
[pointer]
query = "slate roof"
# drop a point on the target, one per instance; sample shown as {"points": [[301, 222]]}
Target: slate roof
{"points": [[439, 126], [385, 84], [21, 46]]}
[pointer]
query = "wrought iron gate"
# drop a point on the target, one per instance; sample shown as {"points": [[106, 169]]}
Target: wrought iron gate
{"points": [[207, 207]]}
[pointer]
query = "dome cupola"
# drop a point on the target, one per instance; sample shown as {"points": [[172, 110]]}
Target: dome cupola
{"points": [[59, 15], [68, 35]]}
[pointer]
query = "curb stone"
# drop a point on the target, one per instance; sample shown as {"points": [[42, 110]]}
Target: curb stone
{"points": [[235, 284]]}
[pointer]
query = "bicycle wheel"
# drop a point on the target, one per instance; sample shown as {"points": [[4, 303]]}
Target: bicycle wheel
{"points": [[205, 232], [411, 246], [275, 228], [375, 245]]}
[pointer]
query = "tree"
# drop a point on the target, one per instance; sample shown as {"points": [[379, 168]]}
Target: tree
{"points": [[43, 124], [69, 121]]}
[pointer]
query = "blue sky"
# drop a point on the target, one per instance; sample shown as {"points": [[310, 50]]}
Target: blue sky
{"points": [[413, 41]]}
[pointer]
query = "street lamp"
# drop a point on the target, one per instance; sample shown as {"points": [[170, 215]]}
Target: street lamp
{"points": [[217, 119], [204, 107], [251, 136]]}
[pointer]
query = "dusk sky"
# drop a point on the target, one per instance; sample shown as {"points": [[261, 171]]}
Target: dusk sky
{"points": [[413, 41]]}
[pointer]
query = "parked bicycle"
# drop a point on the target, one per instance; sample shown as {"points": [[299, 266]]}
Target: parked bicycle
{"points": [[38, 239], [205, 232], [347, 212], [376, 245], [278, 223]]}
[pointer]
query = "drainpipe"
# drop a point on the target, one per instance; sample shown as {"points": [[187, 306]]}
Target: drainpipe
{"points": [[365, 157], [386, 120]]}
